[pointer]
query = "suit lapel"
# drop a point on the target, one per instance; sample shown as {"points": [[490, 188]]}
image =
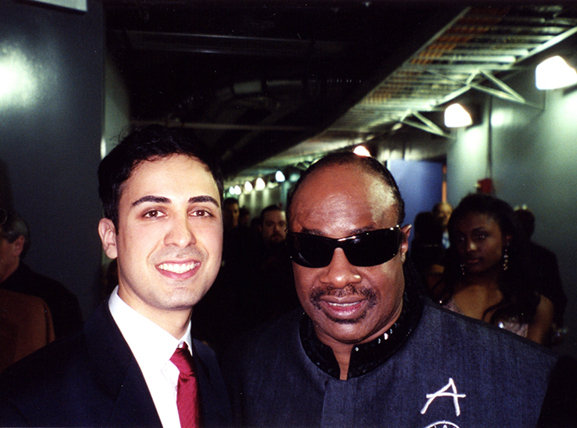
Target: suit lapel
{"points": [[118, 373], [213, 396]]}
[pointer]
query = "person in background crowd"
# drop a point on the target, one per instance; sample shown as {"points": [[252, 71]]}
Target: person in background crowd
{"points": [[367, 351], [270, 290], [230, 213], [135, 362], [442, 212], [426, 251], [15, 275], [244, 217], [545, 271], [487, 272]]}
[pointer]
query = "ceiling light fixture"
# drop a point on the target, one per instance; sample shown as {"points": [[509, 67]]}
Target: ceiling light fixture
{"points": [[456, 116], [248, 187], [279, 176], [554, 73], [362, 151], [259, 184]]}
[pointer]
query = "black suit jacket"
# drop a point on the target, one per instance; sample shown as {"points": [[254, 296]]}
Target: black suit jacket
{"points": [[92, 379]]}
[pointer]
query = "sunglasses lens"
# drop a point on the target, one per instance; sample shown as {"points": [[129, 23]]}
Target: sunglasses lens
{"points": [[310, 250], [373, 248], [366, 249]]}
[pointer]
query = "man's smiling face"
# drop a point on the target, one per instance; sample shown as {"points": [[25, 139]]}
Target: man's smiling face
{"points": [[169, 238], [348, 304]]}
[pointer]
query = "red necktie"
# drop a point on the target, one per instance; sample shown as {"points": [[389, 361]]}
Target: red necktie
{"points": [[187, 389]]}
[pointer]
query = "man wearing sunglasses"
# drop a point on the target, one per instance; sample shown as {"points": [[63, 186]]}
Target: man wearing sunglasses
{"points": [[368, 351]]}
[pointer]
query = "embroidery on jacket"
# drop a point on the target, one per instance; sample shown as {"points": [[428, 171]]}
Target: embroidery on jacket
{"points": [[443, 393]]}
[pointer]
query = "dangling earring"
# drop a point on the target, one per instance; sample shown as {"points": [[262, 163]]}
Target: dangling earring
{"points": [[462, 267], [506, 259]]}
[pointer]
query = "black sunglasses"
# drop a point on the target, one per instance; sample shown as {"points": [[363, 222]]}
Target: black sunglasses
{"points": [[365, 249]]}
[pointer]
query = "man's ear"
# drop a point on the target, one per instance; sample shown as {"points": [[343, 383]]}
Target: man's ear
{"points": [[107, 232], [406, 230], [18, 245]]}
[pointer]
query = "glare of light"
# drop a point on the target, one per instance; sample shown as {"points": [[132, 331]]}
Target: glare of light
{"points": [[231, 190], [103, 149], [397, 126], [17, 79], [457, 117], [237, 190], [279, 176], [248, 187], [362, 151], [260, 184], [294, 177], [554, 73]]}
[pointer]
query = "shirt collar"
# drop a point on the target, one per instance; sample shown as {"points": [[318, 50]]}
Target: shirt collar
{"points": [[367, 356], [149, 343]]}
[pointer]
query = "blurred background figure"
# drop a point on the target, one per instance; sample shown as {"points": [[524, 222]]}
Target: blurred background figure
{"points": [[545, 270], [487, 275], [230, 213], [25, 326], [272, 291], [427, 252], [25, 322], [253, 287], [442, 212], [273, 226], [244, 217], [16, 276]]}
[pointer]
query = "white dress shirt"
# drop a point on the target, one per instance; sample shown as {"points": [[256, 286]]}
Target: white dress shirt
{"points": [[152, 346]]}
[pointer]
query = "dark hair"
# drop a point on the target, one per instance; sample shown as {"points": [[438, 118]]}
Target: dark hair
{"points": [[13, 228], [149, 143], [229, 201], [520, 298], [526, 221], [368, 163], [269, 209]]}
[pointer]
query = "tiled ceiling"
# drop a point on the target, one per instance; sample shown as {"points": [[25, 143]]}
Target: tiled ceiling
{"points": [[276, 83]]}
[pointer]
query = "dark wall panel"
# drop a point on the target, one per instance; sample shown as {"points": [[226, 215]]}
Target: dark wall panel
{"points": [[50, 130]]}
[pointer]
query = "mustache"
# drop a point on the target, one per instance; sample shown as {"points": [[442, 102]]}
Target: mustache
{"points": [[347, 290], [368, 293]]}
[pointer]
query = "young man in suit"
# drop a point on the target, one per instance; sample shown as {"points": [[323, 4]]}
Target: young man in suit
{"points": [[163, 224]]}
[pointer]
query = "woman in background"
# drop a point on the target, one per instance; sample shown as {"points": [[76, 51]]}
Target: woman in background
{"points": [[486, 275]]}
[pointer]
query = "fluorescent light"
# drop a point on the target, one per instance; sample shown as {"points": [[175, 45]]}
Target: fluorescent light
{"points": [[457, 117], [554, 73]]}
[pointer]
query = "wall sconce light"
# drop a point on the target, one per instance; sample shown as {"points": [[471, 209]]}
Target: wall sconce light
{"points": [[259, 184], [554, 73], [248, 187], [456, 116], [279, 176]]}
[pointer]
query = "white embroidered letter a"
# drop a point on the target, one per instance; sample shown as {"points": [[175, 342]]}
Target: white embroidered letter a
{"points": [[443, 393]]}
